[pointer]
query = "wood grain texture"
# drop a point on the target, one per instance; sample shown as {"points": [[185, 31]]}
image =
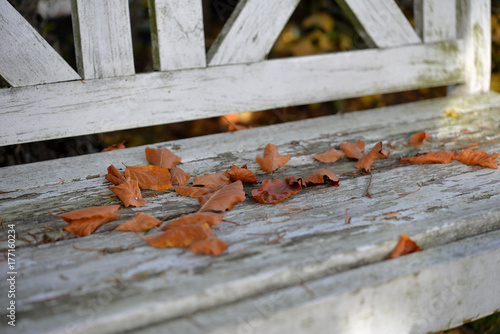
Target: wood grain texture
{"points": [[177, 34], [381, 23], [156, 98], [435, 20], [25, 57], [476, 29], [250, 32], [103, 38], [66, 289]]}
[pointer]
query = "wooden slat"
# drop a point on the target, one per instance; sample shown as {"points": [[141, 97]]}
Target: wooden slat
{"points": [[250, 32], [65, 289], [25, 57], [435, 20], [476, 29], [381, 23], [113, 104], [103, 39], [177, 34]]}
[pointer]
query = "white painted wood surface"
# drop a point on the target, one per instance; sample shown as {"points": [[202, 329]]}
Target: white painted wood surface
{"points": [[476, 16], [177, 34], [435, 20], [381, 23], [250, 32], [25, 57], [103, 38], [66, 290], [157, 98]]}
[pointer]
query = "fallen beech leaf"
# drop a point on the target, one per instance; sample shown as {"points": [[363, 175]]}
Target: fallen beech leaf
{"points": [[140, 223], [114, 175], [276, 191], [419, 138], [353, 150], [85, 221], [441, 157], [321, 176], [294, 180], [224, 198], [178, 176], [329, 156], [194, 192], [211, 180], [162, 157], [181, 236], [210, 246], [150, 177], [477, 158], [129, 193], [114, 147], [209, 218], [272, 160], [404, 246], [240, 173], [375, 153]]}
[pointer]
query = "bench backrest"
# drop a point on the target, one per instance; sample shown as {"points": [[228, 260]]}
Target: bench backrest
{"points": [[450, 44]]}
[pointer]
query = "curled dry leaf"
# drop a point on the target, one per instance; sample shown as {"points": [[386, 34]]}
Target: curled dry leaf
{"points": [[294, 180], [419, 138], [150, 177], [329, 156], [440, 157], [194, 192], [272, 160], [178, 176], [240, 173], [210, 246], [211, 180], [129, 193], [181, 236], [162, 157], [353, 150], [223, 199], [209, 218], [321, 176], [375, 153], [114, 147], [404, 246], [114, 175], [275, 191], [140, 223], [477, 158], [85, 221]]}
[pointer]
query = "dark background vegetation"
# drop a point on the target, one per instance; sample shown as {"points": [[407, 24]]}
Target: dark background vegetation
{"points": [[316, 27]]}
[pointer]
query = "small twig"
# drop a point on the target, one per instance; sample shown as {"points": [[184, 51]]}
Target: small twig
{"points": [[213, 145], [369, 186], [1, 222], [308, 290], [32, 235], [63, 209], [228, 221], [409, 192], [60, 182], [277, 239], [111, 200]]}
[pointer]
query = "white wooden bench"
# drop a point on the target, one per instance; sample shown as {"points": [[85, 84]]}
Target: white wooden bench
{"points": [[323, 275]]}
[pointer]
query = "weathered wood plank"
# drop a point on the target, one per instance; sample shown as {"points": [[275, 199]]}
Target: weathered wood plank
{"points": [[100, 292], [113, 104], [425, 292], [177, 34], [103, 38], [381, 23], [25, 57], [476, 29], [250, 32], [435, 20]]}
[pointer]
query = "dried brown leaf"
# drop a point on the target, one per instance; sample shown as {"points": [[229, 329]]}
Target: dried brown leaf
{"points": [[240, 173], [375, 153], [224, 198], [477, 158], [211, 180], [85, 221], [194, 192], [353, 150], [321, 176], [419, 138], [114, 147], [404, 246], [181, 236], [162, 157], [329, 156], [140, 223], [210, 246], [178, 176], [276, 191], [114, 175], [440, 157], [129, 193], [272, 160], [209, 218], [150, 177]]}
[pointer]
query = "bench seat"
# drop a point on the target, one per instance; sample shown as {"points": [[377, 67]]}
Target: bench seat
{"points": [[285, 270]]}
